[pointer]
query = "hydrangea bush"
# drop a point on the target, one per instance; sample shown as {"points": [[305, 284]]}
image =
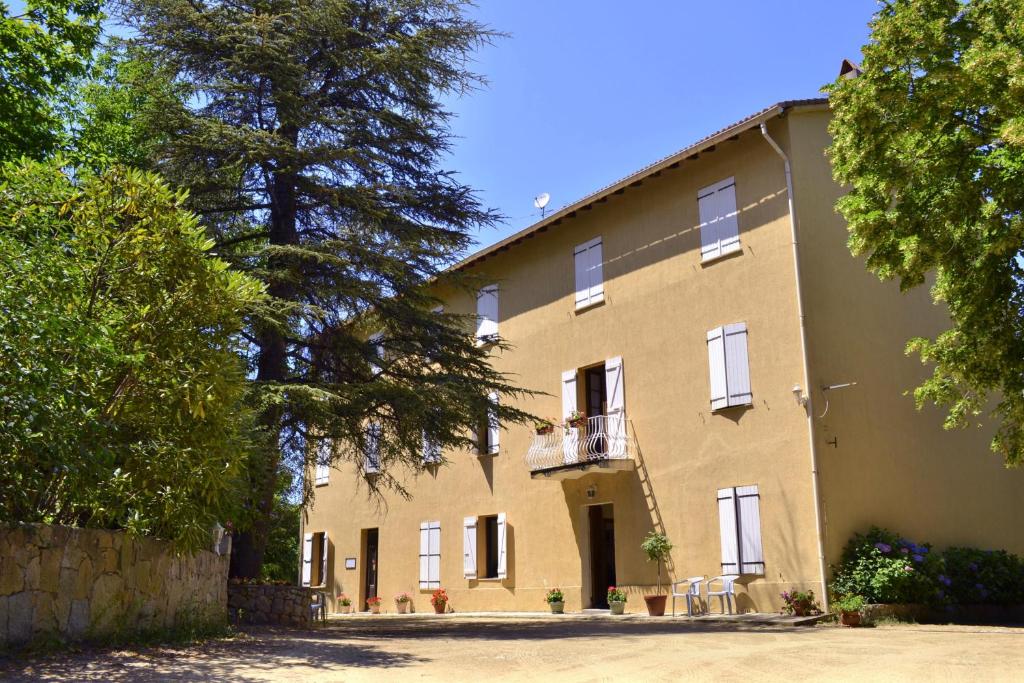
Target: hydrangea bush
{"points": [[883, 567]]}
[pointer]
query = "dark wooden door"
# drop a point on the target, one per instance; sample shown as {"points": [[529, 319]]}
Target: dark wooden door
{"points": [[602, 554], [370, 588]]}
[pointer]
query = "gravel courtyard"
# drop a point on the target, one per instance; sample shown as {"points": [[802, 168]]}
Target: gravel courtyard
{"points": [[565, 649]]}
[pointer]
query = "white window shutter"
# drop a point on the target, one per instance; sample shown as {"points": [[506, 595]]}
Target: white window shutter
{"points": [[502, 546], [596, 266], [307, 558], [568, 393], [487, 313], [424, 555], [710, 245], [581, 263], [728, 223], [469, 547], [434, 549], [616, 418], [736, 365], [751, 554], [727, 528], [493, 426], [716, 365], [324, 548]]}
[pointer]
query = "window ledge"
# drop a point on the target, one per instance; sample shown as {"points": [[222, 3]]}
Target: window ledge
{"points": [[320, 483], [492, 579], [735, 405], [581, 308], [722, 257]]}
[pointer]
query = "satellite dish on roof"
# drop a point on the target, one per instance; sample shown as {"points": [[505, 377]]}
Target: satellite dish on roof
{"points": [[541, 202]]}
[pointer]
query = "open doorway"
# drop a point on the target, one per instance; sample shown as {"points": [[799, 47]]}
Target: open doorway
{"points": [[370, 562], [602, 554]]}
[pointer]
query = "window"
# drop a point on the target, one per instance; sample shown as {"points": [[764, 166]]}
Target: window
{"points": [[371, 462], [589, 273], [314, 559], [719, 227], [729, 367], [323, 462], [430, 555], [487, 314], [488, 436], [739, 518], [431, 450], [488, 534], [378, 349]]}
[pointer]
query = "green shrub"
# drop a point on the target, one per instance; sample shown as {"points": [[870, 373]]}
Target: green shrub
{"points": [[882, 567], [982, 577]]}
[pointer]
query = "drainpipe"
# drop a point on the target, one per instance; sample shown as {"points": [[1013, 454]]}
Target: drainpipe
{"points": [[807, 371]]}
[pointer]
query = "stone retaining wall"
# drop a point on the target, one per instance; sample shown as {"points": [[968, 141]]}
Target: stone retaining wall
{"points": [[88, 584], [269, 604]]}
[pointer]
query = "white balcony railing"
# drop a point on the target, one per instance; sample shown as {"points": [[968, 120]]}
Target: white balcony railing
{"points": [[604, 437]]}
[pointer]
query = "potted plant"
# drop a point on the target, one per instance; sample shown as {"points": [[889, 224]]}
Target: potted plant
{"points": [[374, 604], [849, 608], [657, 548], [439, 600], [576, 420], [544, 426], [799, 603], [344, 603], [556, 600], [402, 603], [616, 600]]}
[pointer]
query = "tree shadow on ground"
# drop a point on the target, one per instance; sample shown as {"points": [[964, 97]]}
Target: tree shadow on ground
{"points": [[237, 659]]}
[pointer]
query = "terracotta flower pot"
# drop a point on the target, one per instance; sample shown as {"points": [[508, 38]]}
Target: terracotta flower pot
{"points": [[616, 607], [655, 605], [374, 609], [849, 618], [557, 607], [440, 607], [403, 607]]}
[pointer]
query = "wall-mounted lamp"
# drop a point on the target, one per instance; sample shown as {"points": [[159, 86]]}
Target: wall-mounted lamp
{"points": [[591, 492], [799, 395]]}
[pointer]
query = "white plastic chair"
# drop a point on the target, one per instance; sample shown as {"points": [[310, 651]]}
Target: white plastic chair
{"points": [[726, 596], [692, 594]]}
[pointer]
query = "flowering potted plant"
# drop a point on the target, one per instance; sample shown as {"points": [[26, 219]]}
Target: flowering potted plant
{"points": [[849, 608], [657, 548], [544, 426], [344, 603], [374, 604], [402, 602], [799, 603], [439, 600], [576, 419], [616, 600], [556, 600]]}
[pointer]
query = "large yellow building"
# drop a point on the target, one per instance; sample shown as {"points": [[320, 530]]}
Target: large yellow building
{"points": [[741, 383]]}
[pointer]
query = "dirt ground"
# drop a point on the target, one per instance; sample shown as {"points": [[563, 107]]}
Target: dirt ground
{"points": [[562, 649]]}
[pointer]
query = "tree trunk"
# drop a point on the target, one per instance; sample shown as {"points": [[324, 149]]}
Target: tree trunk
{"points": [[272, 367]]}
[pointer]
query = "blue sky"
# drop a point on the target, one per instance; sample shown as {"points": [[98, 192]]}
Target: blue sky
{"points": [[585, 92]]}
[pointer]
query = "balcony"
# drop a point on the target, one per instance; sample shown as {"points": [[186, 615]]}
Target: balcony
{"points": [[571, 452]]}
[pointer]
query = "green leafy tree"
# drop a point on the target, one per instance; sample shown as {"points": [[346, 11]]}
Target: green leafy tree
{"points": [[312, 146], [122, 387], [281, 561], [43, 46], [930, 140]]}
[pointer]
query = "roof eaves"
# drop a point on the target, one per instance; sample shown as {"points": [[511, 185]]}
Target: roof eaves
{"points": [[638, 177]]}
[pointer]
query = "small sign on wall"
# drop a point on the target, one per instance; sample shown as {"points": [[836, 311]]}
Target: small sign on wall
{"points": [[350, 563]]}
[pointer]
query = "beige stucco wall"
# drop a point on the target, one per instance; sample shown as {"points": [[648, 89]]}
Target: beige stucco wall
{"points": [[660, 302], [891, 465]]}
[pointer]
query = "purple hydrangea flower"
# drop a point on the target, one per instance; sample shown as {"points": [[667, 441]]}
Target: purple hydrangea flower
{"points": [[918, 558], [884, 547], [973, 567], [905, 551], [945, 580]]}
